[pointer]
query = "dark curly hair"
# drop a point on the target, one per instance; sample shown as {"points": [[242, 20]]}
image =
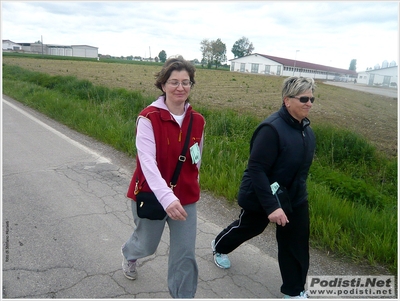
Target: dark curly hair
{"points": [[174, 64]]}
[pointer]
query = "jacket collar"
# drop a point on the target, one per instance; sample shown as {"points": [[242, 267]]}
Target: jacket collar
{"points": [[289, 119], [165, 114]]}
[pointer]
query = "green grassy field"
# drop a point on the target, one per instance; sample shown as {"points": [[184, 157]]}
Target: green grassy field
{"points": [[372, 116], [353, 180]]}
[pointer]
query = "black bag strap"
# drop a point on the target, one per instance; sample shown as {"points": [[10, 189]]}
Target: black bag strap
{"points": [[182, 157]]}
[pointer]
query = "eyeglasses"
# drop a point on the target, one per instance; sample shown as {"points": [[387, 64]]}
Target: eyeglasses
{"points": [[184, 83], [305, 99]]}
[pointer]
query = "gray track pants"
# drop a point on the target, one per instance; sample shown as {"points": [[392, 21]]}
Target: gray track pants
{"points": [[182, 266]]}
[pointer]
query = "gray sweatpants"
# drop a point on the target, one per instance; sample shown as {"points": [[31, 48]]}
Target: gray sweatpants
{"points": [[182, 265]]}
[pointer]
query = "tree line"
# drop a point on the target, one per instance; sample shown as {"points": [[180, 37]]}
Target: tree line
{"points": [[214, 52]]}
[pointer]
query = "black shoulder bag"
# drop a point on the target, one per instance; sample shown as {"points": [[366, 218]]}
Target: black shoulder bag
{"points": [[147, 204]]}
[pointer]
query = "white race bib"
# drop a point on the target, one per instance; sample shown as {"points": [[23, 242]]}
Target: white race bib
{"points": [[274, 187], [195, 153]]}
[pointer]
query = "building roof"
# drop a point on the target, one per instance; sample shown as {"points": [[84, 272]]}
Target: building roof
{"points": [[54, 45], [57, 46], [390, 67], [85, 46], [305, 65], [9, 41]]}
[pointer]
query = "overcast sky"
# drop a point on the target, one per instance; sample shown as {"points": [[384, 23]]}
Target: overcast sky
{"points": [[327, 33]]}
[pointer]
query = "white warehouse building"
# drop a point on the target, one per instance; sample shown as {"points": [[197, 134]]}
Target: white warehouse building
{"points": [[385, 77], [272, 65], [8, 45], [52, 49]]}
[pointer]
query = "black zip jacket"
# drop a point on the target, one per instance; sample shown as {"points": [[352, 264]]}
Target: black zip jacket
{"points": [[281, 150]]}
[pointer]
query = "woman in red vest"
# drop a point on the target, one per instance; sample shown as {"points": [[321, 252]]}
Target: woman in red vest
{"points": [[161, 130]]}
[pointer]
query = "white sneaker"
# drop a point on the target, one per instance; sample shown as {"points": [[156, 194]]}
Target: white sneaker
{"points": [[129, 267], [302, 295]]}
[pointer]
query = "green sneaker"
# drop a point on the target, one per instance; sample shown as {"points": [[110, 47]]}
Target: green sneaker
{"points": [[221, 260]]}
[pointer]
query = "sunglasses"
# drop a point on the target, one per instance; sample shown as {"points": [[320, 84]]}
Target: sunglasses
{"points": [[305, 99]]}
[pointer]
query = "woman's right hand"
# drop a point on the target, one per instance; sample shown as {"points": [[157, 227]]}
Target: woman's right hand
{"points": [[176, 212], [278, 217]]}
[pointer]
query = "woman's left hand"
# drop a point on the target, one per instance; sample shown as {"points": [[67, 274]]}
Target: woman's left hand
{"points": [[176, 211]]}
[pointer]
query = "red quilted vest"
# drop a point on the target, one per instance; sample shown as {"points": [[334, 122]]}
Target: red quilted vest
{"points": [[169, 140]]}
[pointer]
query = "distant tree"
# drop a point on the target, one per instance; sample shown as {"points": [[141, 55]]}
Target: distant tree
{"points": [[206, 53], [219, 52], [242, 47], [213, 52], [353, 65], [162, 56]]}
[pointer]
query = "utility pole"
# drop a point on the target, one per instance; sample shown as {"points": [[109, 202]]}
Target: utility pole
{"points": [[295, 57]]}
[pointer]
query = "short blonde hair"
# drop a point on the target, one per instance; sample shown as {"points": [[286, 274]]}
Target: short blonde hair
{"points": [[294, 85]]}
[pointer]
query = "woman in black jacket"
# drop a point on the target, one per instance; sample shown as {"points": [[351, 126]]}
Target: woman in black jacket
{"points": [[281, 152]]}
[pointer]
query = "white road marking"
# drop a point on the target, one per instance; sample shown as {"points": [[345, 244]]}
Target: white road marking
{"points": [[99, 158]]}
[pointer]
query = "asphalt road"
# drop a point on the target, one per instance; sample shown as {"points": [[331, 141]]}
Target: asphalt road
{"points": [[65, 217]]}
